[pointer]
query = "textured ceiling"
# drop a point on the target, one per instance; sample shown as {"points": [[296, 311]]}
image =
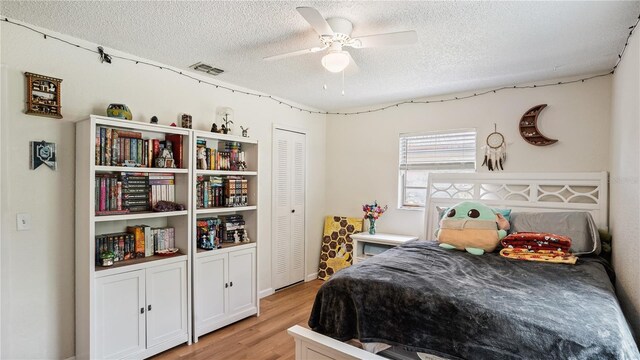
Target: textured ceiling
{"points": [[461, 45]]}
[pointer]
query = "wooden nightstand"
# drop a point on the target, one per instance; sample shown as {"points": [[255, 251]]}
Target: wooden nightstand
{"points": [[378, 241]]}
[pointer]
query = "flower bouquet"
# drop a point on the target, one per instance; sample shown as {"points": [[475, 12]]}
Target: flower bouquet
{"points": [[373, 212]]}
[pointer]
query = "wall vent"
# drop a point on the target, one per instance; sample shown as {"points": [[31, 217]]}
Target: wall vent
{"points": [[199, 66]]}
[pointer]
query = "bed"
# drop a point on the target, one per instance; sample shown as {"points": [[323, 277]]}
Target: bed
{"points": [[454, 305]]}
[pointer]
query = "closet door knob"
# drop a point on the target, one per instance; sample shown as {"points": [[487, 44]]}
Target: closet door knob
{"points": [[141, 310], [226, 285], [293, 210], [149, 308], [231, 283]]}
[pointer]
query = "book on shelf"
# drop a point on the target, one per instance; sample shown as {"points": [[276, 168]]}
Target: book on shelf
{"points": [[229, 156], [137, 242], [232, 226], [177, 147], [115, 147], [121, 245], [139, 238], [208, 233], [126, 192], [219, 191]]}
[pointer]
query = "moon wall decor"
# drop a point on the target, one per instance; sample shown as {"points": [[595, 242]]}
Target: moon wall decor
{"points": [[529, 127]]}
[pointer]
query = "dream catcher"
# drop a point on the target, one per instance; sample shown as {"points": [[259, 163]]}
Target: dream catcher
{"points": [[495, 152]]}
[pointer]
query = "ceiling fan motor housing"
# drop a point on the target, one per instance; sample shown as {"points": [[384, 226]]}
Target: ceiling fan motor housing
{"points": [[341, 31]]}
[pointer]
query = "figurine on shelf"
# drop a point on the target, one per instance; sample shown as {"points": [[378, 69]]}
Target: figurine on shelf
{"points": [[225, 114], [244, 131], [241, 165], [236, 238], [165, 160], [245, 237], [186, 121], [214, 128], [223, 129], [227, 121], [201, 158], [154, 120], [206, 243], [173, 124], [120, 111]]}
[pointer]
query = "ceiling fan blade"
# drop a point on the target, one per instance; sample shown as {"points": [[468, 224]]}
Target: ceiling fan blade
{"points": [[316, 20], [352, 68], [389, 39], [294, 53]]}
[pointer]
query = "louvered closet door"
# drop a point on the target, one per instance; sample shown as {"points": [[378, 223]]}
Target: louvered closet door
{"points": [[289, 201], [298, 157]]}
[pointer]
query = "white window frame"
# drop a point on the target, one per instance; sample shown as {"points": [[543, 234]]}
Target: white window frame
{"points": [[445, 166]]}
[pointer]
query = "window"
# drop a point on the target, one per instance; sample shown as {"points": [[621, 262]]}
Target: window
{"points": [[442, 151]]}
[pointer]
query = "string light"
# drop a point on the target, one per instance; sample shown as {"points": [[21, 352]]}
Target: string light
{"points": [[294, 107]]}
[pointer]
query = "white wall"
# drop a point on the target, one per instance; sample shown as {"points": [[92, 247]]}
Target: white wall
{"points": [[625, 181], [362, 150], [38, 265]]}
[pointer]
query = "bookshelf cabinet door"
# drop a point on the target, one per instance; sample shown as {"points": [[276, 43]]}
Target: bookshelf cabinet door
{"points": [[211, 301], [120, 315], [242, 295], [166, 303]]}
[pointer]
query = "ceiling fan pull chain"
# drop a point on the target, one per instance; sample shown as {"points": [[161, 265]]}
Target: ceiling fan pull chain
{"points": [[342, 82]]}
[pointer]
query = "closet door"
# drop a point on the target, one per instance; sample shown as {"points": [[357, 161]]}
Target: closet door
{"points": [[298, 170], [289, 157]]}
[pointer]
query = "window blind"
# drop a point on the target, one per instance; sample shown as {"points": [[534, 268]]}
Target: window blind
{"points": [[443, 150]]}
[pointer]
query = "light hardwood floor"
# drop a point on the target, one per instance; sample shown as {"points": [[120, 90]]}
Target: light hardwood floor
{"points": [[256, 338]]}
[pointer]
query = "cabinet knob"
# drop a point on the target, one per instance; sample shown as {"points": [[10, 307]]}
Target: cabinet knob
{"points": [[231, 283], [149, 308], [293, 210], [226, 285], [141, 310]]}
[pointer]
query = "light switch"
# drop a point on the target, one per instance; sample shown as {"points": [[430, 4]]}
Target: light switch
{"points": [[23, 221]]}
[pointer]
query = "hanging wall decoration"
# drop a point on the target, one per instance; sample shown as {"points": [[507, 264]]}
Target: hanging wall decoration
{"points": [[529, 127], [43, 152], [43, 95], [495, 152]]}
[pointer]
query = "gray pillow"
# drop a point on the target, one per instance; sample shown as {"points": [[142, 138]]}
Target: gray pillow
{"points": [[577, 225]]}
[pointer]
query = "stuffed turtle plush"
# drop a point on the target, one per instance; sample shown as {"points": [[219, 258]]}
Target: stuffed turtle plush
{"points": [[470, 226]]}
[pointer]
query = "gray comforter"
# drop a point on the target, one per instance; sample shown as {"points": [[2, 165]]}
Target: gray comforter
{"points": [[457, 305]]}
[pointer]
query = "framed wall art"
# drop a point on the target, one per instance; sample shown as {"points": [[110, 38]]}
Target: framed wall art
{"points": [[43, 152], [43, 95]]}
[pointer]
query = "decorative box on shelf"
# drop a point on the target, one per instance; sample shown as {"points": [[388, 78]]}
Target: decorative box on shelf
{"points": [[366, 245]]}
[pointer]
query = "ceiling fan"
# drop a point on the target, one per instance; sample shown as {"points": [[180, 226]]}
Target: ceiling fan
{"points": [[335, 33]]}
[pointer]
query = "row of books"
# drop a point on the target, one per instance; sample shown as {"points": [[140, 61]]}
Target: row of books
{"points": [[121, 193], [116, 147], [217, 191], [231, 157], [232, 228], [137, 242]]}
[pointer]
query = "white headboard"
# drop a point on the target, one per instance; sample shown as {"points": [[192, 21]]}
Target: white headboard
{"points": [[520, 192]]}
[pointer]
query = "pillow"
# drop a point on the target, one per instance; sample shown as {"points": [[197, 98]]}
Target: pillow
{"points": [[443, 210], [577, 225], [470, 226]]}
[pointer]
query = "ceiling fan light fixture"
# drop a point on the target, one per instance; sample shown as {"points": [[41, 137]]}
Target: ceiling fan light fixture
{"points": [[335, 61]]}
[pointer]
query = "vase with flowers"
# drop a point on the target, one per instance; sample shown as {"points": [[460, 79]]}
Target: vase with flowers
{"points": [[373, 212]]}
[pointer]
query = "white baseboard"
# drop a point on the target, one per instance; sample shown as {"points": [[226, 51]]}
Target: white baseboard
{"points": [[265, 293], [71, 358], [311, 277]]}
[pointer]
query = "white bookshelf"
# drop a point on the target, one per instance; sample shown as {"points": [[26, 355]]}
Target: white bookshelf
{"points": [[225, 286], [140, 307]]}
